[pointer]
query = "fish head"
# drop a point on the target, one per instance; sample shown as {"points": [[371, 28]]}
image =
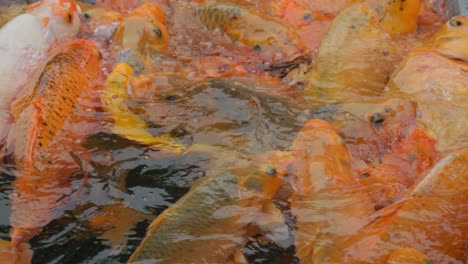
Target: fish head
{"points": [[88, 55], [61, 18], [452, 40], [143, 30], [101, 21], [321, 158], [264, 176]]}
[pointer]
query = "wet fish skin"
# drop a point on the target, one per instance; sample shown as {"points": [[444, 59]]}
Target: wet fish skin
{"points": [[327, 201], [358, 53], [42, 147], [28, 38], [276, 41], [431, 220], [434, 76], [143, 31], [99, 20], [209, 223]]}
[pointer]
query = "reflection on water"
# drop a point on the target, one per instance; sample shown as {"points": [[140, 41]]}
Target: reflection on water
{"points": [[138, 183]]}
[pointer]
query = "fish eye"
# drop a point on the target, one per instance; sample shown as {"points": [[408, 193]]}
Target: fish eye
{"points": [[69, 17], [256, 47], [270, 170], [307, 16], [157, 31], [455, 23], [377, 119], [86, 16]]}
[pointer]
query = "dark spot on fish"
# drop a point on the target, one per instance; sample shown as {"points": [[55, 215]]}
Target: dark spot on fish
{"points": [[385, 53], [40, 144], [455, 23], [172, 98], [307, 16], [86, 16], [270, 170], [256, 47], [157, 31], [69, 17], [44, 123], [377, 119], [364, 175]]}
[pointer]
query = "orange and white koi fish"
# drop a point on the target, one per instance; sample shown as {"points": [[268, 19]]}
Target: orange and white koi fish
{"points": [[43, 139], [24, 43]]}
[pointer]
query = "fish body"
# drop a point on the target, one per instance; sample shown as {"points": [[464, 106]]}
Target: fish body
{"points": [[432, 220], [126, 123], [275, 40], [358, 53], [435, 76], [209, 223], [326, 199], [99, 21], [24, 43], [43, 141]]}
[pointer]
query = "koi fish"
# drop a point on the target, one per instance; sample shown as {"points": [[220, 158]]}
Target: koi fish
{"points": [[125, 123], [327, 201], [143, 30], [99, 21], [434, 76], [24, 43], [276, 41], [358, 53], [43, 139], [370, 130], [432, 220], [209, 223]]}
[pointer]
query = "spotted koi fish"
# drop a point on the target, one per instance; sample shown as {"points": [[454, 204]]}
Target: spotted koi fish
{"points": [[24, 43], [44, 141]]}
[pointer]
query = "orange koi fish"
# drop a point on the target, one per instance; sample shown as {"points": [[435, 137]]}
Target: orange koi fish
{"points": [[24, 43], [210, 222], [359, 51], [327, 201], [276, 41], [432, 221], [99, 21], [435, 76], [143, 30], [44, 141]]}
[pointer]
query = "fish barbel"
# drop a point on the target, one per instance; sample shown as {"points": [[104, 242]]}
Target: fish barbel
{"points": [[42, 140], [435, 76], [24, 43], [209, 223]]}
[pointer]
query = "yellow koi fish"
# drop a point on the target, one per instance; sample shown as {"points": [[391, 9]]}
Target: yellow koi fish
{"points": [[358, 53], [435, 76], [210, 222], [275, 40], [125, 123]]}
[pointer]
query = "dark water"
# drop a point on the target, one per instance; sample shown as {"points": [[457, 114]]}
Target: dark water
{"points": [[140, 183]]}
